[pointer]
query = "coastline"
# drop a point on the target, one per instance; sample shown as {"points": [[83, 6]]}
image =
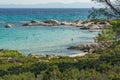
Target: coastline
{"points": [[90, 25]]}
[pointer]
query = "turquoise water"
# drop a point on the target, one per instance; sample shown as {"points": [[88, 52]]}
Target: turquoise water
{"points": [[42, 39]]}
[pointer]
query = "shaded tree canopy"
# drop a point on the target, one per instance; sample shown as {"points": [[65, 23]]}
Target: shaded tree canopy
{"points": [[111, 8]]}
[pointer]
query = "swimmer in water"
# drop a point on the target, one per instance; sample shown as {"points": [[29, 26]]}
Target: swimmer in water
{"points": [[26, 37], [72, 39]]}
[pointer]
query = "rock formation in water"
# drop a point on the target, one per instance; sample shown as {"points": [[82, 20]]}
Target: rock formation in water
{"points": [[8, 26], [88, 24]]}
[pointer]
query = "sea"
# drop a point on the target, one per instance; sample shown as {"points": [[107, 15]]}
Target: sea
{"points": [[42, 39]]}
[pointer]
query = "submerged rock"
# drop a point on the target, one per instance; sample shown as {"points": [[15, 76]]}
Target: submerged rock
{"points": [[8, 26]]}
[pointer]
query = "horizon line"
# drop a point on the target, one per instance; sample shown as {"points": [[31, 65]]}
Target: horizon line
{"points": [[47, 3]]}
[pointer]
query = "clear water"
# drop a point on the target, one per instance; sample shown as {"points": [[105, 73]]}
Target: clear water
{"points": [[42, 39]]}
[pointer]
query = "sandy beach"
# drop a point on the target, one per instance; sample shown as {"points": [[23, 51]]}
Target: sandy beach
{"points": [[79, 55]]}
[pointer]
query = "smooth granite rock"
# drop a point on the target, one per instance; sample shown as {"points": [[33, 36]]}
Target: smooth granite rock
{"points": [[53, 22], [8, 26]]}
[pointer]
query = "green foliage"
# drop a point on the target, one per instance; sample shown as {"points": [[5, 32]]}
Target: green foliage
{"points": [[99, 13], [110, 34], [103, 67], [71, 74], [106, 35], [22, 76], [116, 25], [112, 8], [10, 53]]}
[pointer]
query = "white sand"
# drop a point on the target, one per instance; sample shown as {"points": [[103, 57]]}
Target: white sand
{"points": [[78, 55]]}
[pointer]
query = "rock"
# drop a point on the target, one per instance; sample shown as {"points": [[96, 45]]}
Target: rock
{"points": [[78, 22], [78, 25], [87, 21], [35, 55], [34, 21], [2, 50], [68, 23], [49, 56], [8, 26], [88, 24], [84, 28], [107, 25], [93, 27], [39, 24], [102, 22], [88, 47], [28, 24], [53, 22]]}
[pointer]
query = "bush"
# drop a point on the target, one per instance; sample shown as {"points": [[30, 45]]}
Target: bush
{"points": [[10, 53]]}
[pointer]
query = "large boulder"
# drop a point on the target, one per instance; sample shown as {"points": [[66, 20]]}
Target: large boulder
{"points": [[34, 21], [8, 26], [68, 23], [107, 25], [94, 26], [49, 56], [78, 21], [28, 24], [88, 47], [53, 22], [86, 21], [85, 26]]}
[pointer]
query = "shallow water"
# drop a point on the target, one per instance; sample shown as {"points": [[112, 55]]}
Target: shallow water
{"points": [[43, 39]]}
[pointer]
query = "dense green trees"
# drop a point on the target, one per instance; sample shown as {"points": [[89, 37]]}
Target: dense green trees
{"points": [[106, 35]]}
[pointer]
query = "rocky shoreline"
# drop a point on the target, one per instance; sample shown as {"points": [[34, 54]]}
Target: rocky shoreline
{"points": [[50, 56], [91, 47], [87, 24], [87, 48]]}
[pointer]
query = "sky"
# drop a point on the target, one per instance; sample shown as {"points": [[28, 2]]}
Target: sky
{"points": [[39, 1], [47, 4]]}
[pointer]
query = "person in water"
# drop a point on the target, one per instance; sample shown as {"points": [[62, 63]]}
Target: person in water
{"points": [[72, 39]]}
